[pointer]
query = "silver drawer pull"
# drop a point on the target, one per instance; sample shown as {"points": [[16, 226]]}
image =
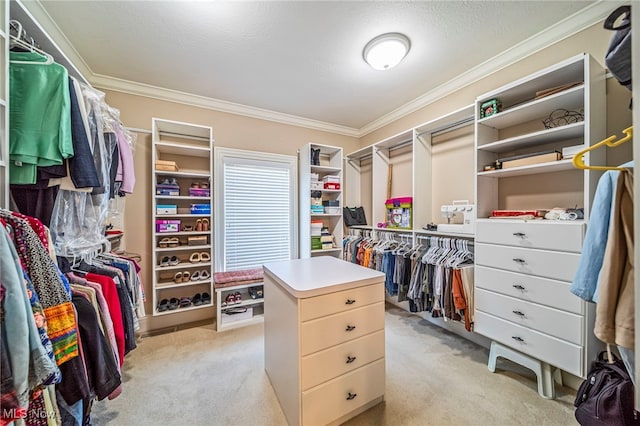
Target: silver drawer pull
{"points": [[518, 286], [519, 313], [350, 328], [516, 338], [351, 396], [350, 302], [350, 359], [519, 234], [520, 261]]}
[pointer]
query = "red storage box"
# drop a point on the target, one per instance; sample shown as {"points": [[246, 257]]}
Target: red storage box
{"points": [[331, 185]]}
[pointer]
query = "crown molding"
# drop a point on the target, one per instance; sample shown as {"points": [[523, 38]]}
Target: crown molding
{"points": [[149, 91], [563, 29]]}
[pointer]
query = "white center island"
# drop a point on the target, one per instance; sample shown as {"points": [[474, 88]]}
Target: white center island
{"points": [[324, 338]]}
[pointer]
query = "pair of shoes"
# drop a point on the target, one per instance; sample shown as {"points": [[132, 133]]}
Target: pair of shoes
{"points": [[169, 181], [203, 185], [187, 228], [163, 305], [200, 257], [197, 299], [234, 298], [169, 242], [200, 275], [185, 302], [202, 225], [255, 292], [182, 277], [173, 303]]}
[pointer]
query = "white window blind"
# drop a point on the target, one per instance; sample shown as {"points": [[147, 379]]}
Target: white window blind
{"points": [[258, 209]]}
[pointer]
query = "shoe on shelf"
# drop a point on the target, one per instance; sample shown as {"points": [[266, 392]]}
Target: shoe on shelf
{"points": [[205, 224], [164, 261], [185, 302], [199, 225], [174, 304], [230, 299], [187, 228], [206, 298], [196, 276], [186, 276], [204, 275], [197, 299], [164, 243], [195, 185], [195, 257], [238, 297], [174, 242], [177, 278], [174, 261], [205, 256], [163, 305]]}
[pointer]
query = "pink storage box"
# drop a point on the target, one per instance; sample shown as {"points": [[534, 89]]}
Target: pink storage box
{"points": [[199, 192], [167, 225]]}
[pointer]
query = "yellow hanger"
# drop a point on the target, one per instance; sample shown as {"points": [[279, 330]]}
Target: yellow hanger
{"points": [[611, 141]]}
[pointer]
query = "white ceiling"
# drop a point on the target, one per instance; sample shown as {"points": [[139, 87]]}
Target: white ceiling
{"points": [[301, 58]]}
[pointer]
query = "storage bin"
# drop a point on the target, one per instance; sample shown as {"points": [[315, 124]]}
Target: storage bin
{"points": [[166, 209], [331, 178], [331, 185], [199, 192], [317, 209], [165, 165], [316, 185], [200, 208], [316, 243], [168, 191], [197, 240], [399, 212], [167, 225], [331, 203], [332, 210]]}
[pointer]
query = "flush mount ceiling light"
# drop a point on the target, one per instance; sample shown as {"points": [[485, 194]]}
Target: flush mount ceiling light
{"points": [[386, 51]]}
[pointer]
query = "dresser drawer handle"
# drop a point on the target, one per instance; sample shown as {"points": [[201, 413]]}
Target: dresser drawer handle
{"points": [[519, 234], [350, 359], [351, 396], [520, 261], [518, 286], [350, 302], [350, 328], [516, 338], [519, 313]]}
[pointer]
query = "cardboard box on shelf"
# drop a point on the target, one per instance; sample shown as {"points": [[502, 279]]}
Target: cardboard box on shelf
{"points": [[533, 159]]}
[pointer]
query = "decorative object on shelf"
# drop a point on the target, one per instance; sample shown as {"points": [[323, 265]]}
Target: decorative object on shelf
{"points": [[399, 212], [490, 107], [315, 156], [562, 117], [354, 216]]}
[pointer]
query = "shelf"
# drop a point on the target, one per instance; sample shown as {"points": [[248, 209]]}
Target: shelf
{"points": [[189, 308], [569, 99], [325, 169], [556, 134], [185, 173], [393, 230], [180, 197], [182, 233], [335, 191], [182, 248], [326, 250], [444, 234], [183, 215], [326, 215], [183, 265], [365, 227], [182, 149], [171, 284], [247, 302], [532, 169]]}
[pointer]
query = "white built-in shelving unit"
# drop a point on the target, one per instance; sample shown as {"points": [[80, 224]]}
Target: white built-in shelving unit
{"points": [[4, 104]]}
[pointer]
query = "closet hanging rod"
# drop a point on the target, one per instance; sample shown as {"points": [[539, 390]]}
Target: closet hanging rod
{"points": [[448, 127], [401, 145]]}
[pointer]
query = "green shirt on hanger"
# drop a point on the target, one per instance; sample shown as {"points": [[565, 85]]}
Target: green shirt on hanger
{"points": [[39, 116]]}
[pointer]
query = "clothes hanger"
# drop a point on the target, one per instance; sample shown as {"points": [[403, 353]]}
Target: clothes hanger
{"points": [[578, 160], [18, 42]]}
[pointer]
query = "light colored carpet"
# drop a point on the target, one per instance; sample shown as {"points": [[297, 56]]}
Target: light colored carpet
{"points": [[433, 377]]}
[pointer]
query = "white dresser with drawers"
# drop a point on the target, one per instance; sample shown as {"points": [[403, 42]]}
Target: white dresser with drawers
{"points": [[324, 338], [523, 275]]}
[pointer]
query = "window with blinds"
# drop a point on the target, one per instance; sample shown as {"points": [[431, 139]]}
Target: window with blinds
{"points": [[256, 208]]}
